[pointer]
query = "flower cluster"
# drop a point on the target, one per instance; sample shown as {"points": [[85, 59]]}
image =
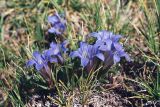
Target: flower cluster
{"points": [[107, 48], [109, 43], [58, 24], [52, 55]]}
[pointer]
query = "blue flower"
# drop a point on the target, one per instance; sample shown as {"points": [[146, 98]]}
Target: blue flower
{"points": [[109, 44], [119, 52], [54, 53], [58, 24], [113, 56], [105, 39], [101, 35], [87, 53], [63, 46], [38, 61], [104, 35]]}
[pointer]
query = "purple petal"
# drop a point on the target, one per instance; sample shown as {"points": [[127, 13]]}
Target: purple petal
{"points": [[99, 43], [53, 45], [53, 60], [39, 66], [84, 62], [54, 30], [108, 43], [56, 50], [103, 35], [83, 44], [123, 54], [60, 26], [53, 51], [64, 43], [94, 34], [50, 52], [100, 56], [118, 47], [30, 63], [60, 58], [107, 46], [36, 54], [75, 54], [64, 46], [37, 57], [103, 48], [116, 38], [116, 58], [53, 19]]}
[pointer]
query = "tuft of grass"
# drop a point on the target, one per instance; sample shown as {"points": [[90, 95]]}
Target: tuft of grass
{"points": [[77, 91], [150, 28]]}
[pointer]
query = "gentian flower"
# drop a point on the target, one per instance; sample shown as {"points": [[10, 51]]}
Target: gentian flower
{"points": [[105, 39], [54, 53], [108, 43], [63, 46], [42, 61], [87, 53], [104, 35], [114, 56], [101, 35], [38, 61], [58, 24], [119, 52]]}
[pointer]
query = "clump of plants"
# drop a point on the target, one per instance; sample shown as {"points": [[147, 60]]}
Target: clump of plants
{"points": [[93, 56]]}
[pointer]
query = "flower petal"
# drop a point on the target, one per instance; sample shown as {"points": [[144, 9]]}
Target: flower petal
{"points": [[36, 54], [94, 34], [103, 48], [53, 19], [83, 44], [60, 58], [116, 38], [84, 62], [64, 46], [106, 46], [53, 51], [54, 30], [30, 63], [100, 56], [118, 47], [60, 27], [103, 35], [39, 66], [53, 44], [56, 50], [116, 58], [53, 60], [99, 43], [75, 54]]}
